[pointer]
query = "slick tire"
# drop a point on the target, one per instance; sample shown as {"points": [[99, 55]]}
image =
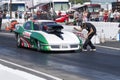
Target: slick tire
{"points": [[19, 42], [38, 46]]}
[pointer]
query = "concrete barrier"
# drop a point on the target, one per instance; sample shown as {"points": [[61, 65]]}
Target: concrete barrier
{"points": [[110, 29], [105, 31]]}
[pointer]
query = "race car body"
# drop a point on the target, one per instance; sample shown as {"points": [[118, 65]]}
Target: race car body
{"points": [[63, 18], [46, 35]]}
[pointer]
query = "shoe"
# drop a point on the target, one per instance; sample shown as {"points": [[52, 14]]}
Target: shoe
{"points": [[84, 49], [92, 49]]}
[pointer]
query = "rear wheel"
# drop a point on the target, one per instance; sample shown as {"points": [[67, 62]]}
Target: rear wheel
{"points": [[18, 41], [38, 46]]}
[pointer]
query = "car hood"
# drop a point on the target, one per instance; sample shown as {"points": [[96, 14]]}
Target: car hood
{"points": [[64, 38]]}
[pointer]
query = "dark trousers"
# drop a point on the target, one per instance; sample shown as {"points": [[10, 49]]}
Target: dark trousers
{"points": [[88, 42], [0, 23]]}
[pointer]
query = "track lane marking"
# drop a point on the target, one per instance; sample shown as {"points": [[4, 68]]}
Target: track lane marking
{"points": [[108, 47], [41, 73]]}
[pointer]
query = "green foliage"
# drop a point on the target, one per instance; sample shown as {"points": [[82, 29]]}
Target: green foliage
{"points": [[79, 1], [76, 1]]}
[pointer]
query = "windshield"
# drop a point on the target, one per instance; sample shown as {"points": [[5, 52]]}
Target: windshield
{"points": [[18, 7], [38, 25], [48, 23], [63, 6], [49, 27], [93, 9]]}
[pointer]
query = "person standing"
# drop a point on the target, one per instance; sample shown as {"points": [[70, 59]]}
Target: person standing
{"points": [[59, 13], [1, 19], [8, 16], [80, 18], [85, 19], [16, 14], [26, 16], [76, 17], [20, 14], [105, 17], [101, 14], [88, 16], [91, 32], [111, 17]]}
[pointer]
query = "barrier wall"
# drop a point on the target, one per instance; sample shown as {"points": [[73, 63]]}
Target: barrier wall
{"points": [[110, 29], [105, 31]]}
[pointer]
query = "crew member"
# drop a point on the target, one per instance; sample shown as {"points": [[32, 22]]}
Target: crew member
{"points": [[0, 19], [91, 32]]}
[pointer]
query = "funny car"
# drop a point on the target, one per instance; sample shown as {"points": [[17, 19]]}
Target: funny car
{"points": [[45, 35]]}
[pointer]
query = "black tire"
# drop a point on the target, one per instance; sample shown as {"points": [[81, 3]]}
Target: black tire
{"points": [[19, 41], [38, 46]]}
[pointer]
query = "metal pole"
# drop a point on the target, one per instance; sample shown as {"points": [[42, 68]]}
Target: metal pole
{"points": [[10, 8], [32, 6], [90, 2]]}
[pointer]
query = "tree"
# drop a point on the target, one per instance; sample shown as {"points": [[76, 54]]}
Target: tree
{"points": [[76, 1]]}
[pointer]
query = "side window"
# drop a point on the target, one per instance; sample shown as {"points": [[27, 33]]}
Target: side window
{"points": [[41, 26], [36, 27], [28, 26]]}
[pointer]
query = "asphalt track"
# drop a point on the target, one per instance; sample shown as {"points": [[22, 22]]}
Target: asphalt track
{"points": [[104, 64]]}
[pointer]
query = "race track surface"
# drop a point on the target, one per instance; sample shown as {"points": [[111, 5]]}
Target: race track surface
{"points": [[104, 64]]}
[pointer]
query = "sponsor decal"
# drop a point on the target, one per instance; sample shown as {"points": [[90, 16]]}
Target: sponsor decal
{"points": [[27, 34]]}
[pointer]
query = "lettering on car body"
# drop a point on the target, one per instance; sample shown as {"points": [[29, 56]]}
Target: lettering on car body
{"points": [[27, 34]]}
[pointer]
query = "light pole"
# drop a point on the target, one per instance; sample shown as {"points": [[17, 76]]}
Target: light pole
{"points": [[32, 6], [90, 1], [10, 8]]}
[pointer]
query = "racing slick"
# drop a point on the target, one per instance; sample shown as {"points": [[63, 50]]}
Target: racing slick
{"points": [[91, 32]]}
